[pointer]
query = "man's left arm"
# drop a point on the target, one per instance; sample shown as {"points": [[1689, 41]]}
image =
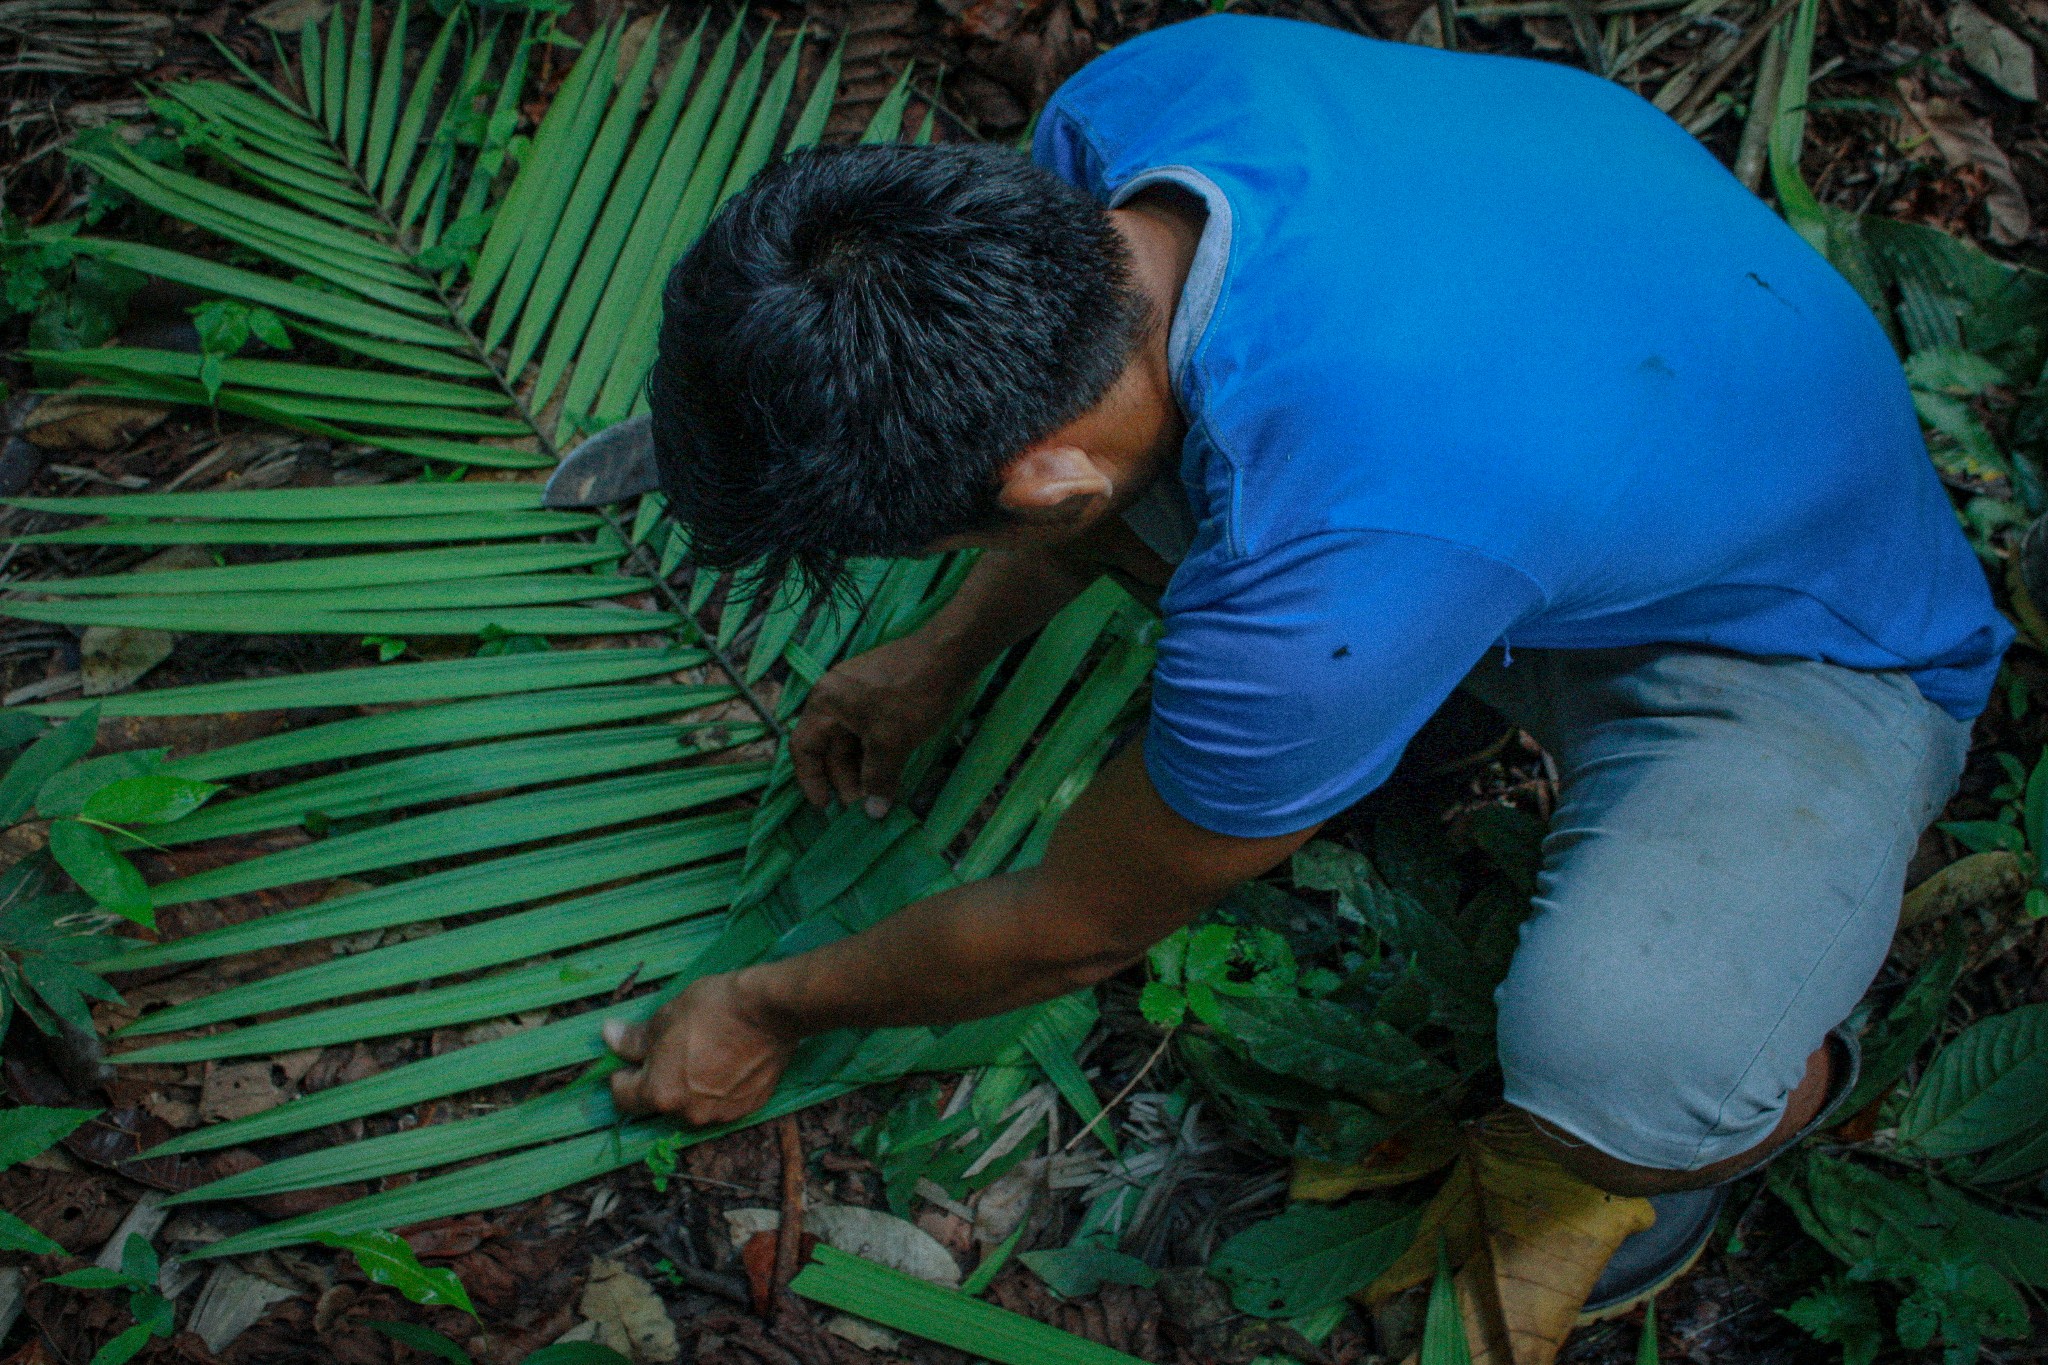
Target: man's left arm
{"points": [[1123, 871]]}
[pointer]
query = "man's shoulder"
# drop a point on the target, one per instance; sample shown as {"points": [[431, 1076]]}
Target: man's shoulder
{"points": [[1142, 77]]}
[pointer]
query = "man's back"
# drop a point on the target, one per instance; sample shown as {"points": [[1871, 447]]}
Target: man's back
{"points": [[1494, 328]]}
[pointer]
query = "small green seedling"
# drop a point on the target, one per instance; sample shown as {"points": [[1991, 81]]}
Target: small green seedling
{"points": [[137, 1275]]}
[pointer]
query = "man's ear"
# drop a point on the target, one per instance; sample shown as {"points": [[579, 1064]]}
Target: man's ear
{"points": [[1052, 482]]}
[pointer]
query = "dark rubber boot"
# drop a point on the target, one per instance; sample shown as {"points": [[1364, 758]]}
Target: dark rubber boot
{"points": [[1650, 1260]]}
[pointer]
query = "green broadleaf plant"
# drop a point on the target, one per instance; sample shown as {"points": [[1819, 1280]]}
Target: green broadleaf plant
{"points": [[1988, 1085], [388, 1259], [1312, 1255], [138, 1275]]}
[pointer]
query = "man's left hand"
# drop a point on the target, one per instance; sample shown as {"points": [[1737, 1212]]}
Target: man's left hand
{"points": [[704, 1058]]}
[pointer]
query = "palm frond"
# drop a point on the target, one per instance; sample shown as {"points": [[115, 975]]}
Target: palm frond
{"points": [[579, 818]]}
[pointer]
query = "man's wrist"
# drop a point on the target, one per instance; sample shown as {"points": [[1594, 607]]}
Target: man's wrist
{"points": [[757, 1002], [947, 661]]}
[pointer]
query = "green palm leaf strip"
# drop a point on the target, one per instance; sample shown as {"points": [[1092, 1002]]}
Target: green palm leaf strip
{"points": [[566, 924], [947, 1316], [474, 888]]}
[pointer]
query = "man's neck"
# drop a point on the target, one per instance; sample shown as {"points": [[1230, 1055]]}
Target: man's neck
{"points": [[1161, 229]]}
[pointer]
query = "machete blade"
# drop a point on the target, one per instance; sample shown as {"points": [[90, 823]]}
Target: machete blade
{"points": [[612, 466]]}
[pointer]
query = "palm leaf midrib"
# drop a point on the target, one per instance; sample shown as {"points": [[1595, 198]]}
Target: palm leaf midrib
{"points": [[407, 242]]}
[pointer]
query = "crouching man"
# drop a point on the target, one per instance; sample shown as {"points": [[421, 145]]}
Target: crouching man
{"points": [[1394, 370]]}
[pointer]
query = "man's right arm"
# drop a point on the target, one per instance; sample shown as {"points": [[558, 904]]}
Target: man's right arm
{"points": [[865, 716]]}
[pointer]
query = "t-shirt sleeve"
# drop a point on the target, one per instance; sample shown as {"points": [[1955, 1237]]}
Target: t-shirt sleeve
{"points": [[1289, 682]]}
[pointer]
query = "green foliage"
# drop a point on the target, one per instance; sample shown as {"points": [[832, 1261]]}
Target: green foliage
{"points": [[225, 327], [1313, 1255], [893, 1299], [1950, 1267], [138, 1275], [26, 1131], [1973, 331], [1890, 1046], [914, 1142], [1192, 967], [388, 1259], [1843, 1313], [42, 761], [72, 301], [978, 1141], [1326, 1044], [89, 801], [154, 799], [103, 874], [1443, 1326], [1987, 1086], [48, 937], [1303, 1027], [1077, 1271], [430, 1342]]}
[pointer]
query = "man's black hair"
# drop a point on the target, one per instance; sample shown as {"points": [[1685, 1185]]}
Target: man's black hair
{"points": [[863, 339]]}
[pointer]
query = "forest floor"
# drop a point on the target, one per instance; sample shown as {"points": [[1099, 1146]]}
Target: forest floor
{"points": [[1899, 124]]}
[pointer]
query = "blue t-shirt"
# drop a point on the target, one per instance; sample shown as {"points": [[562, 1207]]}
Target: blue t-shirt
{"points": [[1480, 351]]}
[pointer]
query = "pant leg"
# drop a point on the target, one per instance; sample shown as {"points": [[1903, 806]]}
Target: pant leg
{"points": [[1720, 883]]}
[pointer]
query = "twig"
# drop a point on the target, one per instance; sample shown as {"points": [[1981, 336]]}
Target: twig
{"points": [[1715, 79], [1661, 33], [1121, 1095], [1579, 14], [789, 1236], [710, 1281], [625, 988], [1556, 9]]}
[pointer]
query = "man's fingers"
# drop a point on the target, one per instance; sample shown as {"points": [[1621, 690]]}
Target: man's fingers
{"points": [[807, 754], [842, 760], [881, 769], [627, 1084], [627, 1039]]}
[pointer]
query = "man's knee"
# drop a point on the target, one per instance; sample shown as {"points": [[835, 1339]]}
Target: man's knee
{"points": [[1611, 1067]]}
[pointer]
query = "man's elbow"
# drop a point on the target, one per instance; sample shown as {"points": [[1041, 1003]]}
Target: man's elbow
{"points": [[1078, 973], [1082, 935]]}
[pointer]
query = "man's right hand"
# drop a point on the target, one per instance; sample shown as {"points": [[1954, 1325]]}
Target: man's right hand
{"points": [[864, 718]]}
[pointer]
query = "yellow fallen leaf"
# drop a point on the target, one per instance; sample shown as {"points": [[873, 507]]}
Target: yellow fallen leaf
{"points": [[1531, 1239], [1978, 879], [1426, 1148]]}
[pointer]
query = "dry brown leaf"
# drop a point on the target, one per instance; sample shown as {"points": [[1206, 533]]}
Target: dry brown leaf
{"points": [[1429, 1147], [1965, 140], [1531, 1240], [236, 1090], [628, 1315], [631, 41], [868, 1233], [1996, 53], [68, 421], [113, 658]]}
